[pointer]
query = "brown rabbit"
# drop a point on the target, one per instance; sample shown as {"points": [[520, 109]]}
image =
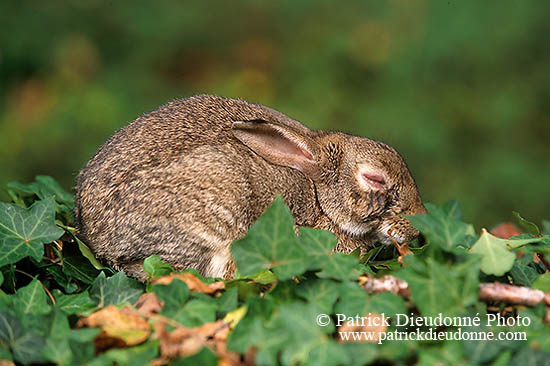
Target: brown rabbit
{"points": [[188, 179]]}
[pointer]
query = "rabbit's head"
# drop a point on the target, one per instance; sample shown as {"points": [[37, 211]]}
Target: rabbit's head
{"points": [[363, 186]]}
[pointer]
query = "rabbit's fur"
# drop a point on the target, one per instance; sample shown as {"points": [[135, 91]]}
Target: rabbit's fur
{"points": [[189, 178]]}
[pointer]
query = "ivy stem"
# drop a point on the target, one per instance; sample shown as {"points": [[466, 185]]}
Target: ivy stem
{"points": [[41, 284]]}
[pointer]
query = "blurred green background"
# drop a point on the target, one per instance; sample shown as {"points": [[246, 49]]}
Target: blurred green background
{"points": [[460, 88]]}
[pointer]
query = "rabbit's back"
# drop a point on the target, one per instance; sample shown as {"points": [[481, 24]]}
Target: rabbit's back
{"points": [[175, 182]]}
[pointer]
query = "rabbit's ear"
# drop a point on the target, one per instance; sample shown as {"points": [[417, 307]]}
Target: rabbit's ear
{"points": [[279, 145]]}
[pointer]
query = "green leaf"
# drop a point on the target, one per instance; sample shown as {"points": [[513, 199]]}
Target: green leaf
{"points": [[523, 271], [31, 300], [115, 290], [174, 295], [437, 288], [264, 277], [44, 187], [306, 342], [57, 346], [322, 293], [452, 208], [27, 348], [339, 266], [447, 354], [73, 304], [361, 353], [156, 267], [318, 245], [354, 300], [440, 228], [82, 347], [271, 244], [5, 355], [10, 328], [141, 355], [61, 278], [527, 225], [195, 312], [205, 357], [250, 329], [84, 249], [23, 232], [79, 268], [528, 357], [543, 282], [496, 257], [228, 301]]}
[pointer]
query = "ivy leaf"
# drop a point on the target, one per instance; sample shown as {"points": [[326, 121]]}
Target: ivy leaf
{"points": [[73, 304], [318, 245], [440, 228], [156, 267], [528, 356], [85, 250], [23, 232], [76, 266], [228, 301], [205, 357], [45, 186], [271, 244], [354, 300], [10, 327], [57, 346], [523, 271], [322, 293], [496, 257], [306, 342], [189, 313], [25, 346], [174, 295], [452, 209], [31, 300], [429, 280], [115, 290], [195, 312], [340, 267], [250, 330], [527, 225], [141, 355], [543, 282]]}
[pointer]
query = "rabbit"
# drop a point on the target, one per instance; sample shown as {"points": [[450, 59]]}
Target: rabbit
{"points": [[188, 179]]}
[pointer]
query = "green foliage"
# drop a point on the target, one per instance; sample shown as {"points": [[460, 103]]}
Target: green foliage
{"points": [[497, 257], [156, 267], [286, 282], [24, 231], [271, 244]]}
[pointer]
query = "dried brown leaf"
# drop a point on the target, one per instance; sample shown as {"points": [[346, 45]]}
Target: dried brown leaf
{"points": [[119, 327], [373, 322], [148, 305], [183, 342], [192, 282]]}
